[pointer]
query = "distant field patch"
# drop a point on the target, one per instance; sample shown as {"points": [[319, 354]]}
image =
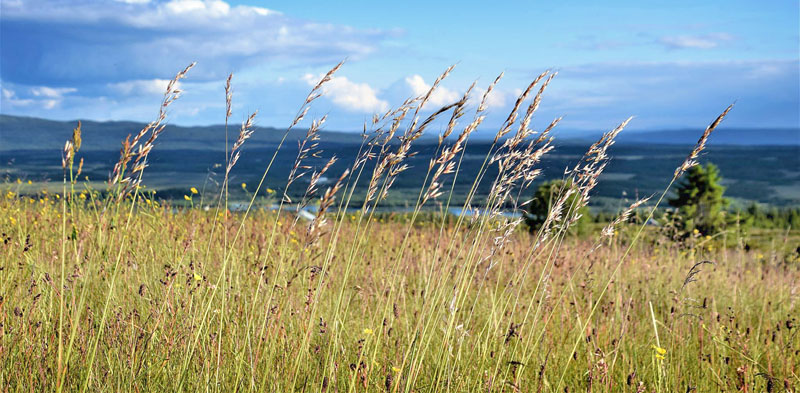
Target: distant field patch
{"points": [[618, 176], [788, 192]]}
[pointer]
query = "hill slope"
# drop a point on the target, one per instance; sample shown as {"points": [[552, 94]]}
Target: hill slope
{"points": [[722, 136], [29, 133], [187, 156]]}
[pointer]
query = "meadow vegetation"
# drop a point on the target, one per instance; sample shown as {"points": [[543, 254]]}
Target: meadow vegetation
{"points": [[117, 290]]}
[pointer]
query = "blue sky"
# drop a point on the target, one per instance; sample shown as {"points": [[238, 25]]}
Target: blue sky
{"points": [[671, 64]]}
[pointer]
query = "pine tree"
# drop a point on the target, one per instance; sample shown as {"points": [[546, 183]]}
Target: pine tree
{"points": [[699, 200]]}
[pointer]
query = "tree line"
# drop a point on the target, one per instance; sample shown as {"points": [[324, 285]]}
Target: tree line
{"points": [[698, 206]]}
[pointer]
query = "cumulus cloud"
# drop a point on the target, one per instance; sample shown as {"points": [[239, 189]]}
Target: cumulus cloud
{"points": [[440, 97], [415, 85], [46, 42], [349, 95], [705, 41]]}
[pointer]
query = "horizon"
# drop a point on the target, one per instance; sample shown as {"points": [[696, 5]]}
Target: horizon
{"points": [[676, 67], [482, 130]]}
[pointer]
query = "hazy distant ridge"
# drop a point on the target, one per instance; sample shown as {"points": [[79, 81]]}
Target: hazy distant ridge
{"points": [[32, 133], [722, 136]]}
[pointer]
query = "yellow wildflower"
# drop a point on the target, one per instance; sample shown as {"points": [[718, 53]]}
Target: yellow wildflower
{"points": [[244, 186], [188, 198], [660, 352], [270, 191], [30, 182], [696, 232], [198, 277], [368, 331], [193, 190], [395, 369]]}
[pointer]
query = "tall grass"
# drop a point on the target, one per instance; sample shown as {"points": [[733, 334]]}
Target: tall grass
{"points": [[119, 291]]}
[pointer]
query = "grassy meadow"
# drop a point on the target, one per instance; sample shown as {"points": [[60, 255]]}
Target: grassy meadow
{"points": [[106, 287]]}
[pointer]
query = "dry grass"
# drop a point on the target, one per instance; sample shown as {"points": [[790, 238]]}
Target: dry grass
{"points": [[124, 293]]}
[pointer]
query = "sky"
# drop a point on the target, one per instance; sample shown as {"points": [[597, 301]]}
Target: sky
{"points": [[670, 64]]}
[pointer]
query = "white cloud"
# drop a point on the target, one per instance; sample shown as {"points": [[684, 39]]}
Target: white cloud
{"points": [[766, 70], [7, 94], [81, 42], [135, 12], [141, 87], [440, 97], [39, 97], [706, 41], [50, 96], [201, 8], [415, 85], [496, 98], [349, 95], [50, 92]]}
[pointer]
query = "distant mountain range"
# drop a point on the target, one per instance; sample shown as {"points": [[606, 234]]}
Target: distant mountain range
{"points": [[31, 133], [756, 164], [721, 136]]}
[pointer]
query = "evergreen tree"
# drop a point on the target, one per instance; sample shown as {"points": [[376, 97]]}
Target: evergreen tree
{"points": [[545, 196], [699, 200]]}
